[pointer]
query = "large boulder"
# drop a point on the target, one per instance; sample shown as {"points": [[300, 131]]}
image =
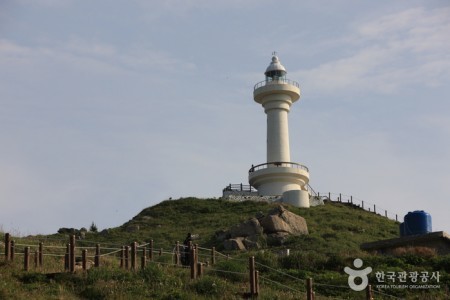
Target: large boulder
{"points": [[282, 220], [234, 244], [250, 227], [277, 239], [272, 229]]}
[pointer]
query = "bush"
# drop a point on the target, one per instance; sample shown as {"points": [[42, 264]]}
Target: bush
{"points": [[266, 258], [152, 273], [105, 274], [93, 293], [311, 261], [208, 286], [33, 278], [93, 227], [231, 269]]}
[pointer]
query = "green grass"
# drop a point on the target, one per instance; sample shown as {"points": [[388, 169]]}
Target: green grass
{"points": [[336, 231]]}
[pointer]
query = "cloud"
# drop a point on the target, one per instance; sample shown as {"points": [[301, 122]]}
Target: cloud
{"points": [[388, 54], [92, 56]]}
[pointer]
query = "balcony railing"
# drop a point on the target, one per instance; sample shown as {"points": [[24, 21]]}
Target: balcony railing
{"points": [[278, 80], [278, 164]]}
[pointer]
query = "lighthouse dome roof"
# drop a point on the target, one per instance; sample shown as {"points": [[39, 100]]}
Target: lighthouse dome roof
{"points": [[275, 65]]}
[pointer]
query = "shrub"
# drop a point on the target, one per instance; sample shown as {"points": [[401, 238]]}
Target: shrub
{"points": [[231, 270], [304, 260], [33, 278], [266, 258], [419, 251], [335, 262], [93, 293], [208, 286], [152, 273], [93, 227]]}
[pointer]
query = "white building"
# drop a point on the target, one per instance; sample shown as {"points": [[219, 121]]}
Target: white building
{"points": [[279, 176]]}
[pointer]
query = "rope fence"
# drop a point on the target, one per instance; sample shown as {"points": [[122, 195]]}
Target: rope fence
{"points": [[76, 259], [356, 202]]}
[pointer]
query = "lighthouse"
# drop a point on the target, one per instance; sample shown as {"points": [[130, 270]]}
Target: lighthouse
{"points": [[279, 176]]}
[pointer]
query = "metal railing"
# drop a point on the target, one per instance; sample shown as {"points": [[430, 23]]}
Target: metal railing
{"points": [[278, 164], [239, 188], [278, 80]]}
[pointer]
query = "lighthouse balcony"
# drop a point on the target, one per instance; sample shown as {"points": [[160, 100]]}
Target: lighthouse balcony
{"points": [[272, 81], [275, 178], [279, 89]]}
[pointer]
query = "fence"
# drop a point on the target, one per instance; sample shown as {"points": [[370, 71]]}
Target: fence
{"points": [[355, 202], [76, 259]]}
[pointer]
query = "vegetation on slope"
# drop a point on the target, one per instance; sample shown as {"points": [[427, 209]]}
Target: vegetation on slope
{"points": [[335, 232]]}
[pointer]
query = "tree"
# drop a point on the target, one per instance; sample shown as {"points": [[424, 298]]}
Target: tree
{"points": [[93, 227]]}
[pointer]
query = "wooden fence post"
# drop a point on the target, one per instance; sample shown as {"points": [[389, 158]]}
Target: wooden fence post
{"points": [[150, 251], [257, 282], [72, 254], [309, 289], [351, 199], [200, 269], [385, 213], [374, 209], [193, 263], [26, 259], [340, 197], [36, 259], [84, 259], [369, 295], [177, 254], [12, 250], [97, 256], [7, 246], [213, 256], [251, 267], [127, 257], [41, 254], [144, 258], [67, 258], [122, 257], [362, 204], [133, 255], [396, 218]]}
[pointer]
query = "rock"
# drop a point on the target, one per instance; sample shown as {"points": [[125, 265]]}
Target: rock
{"points": [[221, 235], [234, 244], [259, 215], [250, 244], [248, 228], [272, 229], [282, 220], [277, 239], [133, 228]]}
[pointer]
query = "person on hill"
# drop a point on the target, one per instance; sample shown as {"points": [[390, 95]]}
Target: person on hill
{"points": [[185, 259]]}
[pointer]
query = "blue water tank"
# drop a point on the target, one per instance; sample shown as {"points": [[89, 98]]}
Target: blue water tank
{"points": [[417, 222], [402, 229]]}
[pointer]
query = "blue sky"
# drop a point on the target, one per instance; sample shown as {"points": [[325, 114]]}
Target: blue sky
{"points": [[108, 107]]}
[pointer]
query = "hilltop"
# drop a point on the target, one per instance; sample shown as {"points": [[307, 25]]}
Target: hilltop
{"points": [[334, 227], [336, 231]]}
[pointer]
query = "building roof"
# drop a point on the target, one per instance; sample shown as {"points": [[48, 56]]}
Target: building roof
{"points": [[407, 241]]}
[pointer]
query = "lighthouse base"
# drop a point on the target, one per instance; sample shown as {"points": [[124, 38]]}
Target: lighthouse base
{"points": [[274, 179], [297, 198]]}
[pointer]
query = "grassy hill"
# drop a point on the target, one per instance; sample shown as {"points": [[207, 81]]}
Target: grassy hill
{"points": [[335, 232]]}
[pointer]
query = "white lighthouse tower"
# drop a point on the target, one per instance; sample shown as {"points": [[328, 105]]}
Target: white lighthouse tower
{"points": [[279, 176]]}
